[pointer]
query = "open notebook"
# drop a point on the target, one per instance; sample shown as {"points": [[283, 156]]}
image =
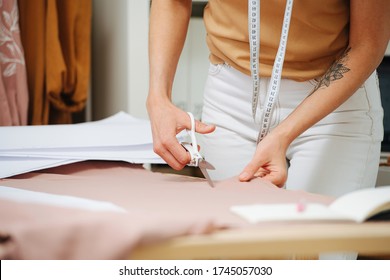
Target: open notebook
{"points": [[357, 206]]}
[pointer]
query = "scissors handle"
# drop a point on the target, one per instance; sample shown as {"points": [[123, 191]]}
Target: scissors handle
{"points": [[196, 157], [192, 131], [192, 147]]}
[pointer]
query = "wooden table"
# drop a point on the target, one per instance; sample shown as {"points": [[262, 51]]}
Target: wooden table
{"points": [[294, 241]]}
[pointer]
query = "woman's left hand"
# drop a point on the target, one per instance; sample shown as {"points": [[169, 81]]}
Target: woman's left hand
{"points": [[268, 162]]}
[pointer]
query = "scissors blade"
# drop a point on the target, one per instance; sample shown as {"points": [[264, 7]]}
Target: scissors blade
{"points": [[203, 166], [206, 165]]}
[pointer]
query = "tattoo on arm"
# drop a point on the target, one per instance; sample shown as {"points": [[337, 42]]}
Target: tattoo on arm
{"points": [[335, 72]]}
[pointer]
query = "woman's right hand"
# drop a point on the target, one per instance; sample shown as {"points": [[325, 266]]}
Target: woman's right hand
{"points": [[167, 32], [167, 121]]}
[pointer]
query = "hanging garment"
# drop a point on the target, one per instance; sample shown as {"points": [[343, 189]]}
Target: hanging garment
{"points": [[56, 36], [13, 80]]}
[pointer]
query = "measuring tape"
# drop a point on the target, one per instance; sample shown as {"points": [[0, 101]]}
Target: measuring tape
{"points": [[254, 44]]}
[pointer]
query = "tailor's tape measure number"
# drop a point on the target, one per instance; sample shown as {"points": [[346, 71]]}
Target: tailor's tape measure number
{"points": [[273, 89], [254, 43]]}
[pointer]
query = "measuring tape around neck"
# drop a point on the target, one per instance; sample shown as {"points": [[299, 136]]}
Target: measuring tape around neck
{"points": [[254, 43]]}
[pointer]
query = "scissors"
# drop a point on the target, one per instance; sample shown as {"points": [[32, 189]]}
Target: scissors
{"points": [[197, 159]]}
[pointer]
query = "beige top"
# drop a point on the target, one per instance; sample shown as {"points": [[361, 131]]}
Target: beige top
{"points": [[318, 35]]}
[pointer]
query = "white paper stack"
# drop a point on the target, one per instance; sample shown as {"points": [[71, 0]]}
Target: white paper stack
{"points": [[119, 137]]}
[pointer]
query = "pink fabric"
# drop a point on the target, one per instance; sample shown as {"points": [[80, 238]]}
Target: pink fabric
{"points": [[13, 79], [159, 206], [44, 232]]}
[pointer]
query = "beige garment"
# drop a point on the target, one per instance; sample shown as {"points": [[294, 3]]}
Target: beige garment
{"points": [[13, 81], [56, 35], [318, 35]]}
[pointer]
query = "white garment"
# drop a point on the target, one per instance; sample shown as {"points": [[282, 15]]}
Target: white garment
{"points": [[337, 155]]}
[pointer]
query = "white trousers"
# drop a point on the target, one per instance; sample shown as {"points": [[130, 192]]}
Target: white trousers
{"points": [[338, 155]]}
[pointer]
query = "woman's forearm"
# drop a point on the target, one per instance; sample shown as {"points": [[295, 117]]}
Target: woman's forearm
{"points": [[340, 82], [168, 28], [368, 37]]}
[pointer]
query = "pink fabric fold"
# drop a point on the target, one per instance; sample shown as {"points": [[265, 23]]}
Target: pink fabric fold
{"points": [[45, 232]]}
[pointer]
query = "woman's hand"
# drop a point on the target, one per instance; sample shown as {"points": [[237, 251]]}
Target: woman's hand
{"points": [[269, 161], [167, 121], [168, 27]]}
